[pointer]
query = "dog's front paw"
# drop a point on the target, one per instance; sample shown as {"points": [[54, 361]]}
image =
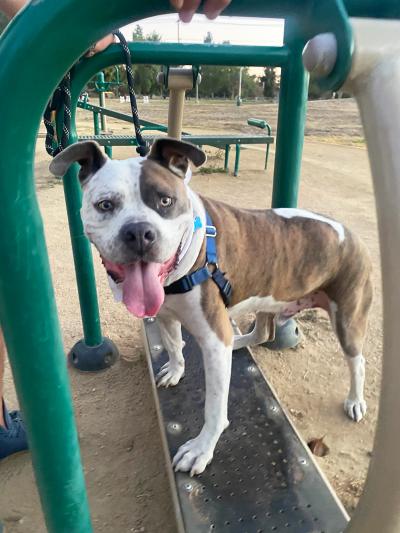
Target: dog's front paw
{"points": [[170, 375], [355, 409], [193, 456]]}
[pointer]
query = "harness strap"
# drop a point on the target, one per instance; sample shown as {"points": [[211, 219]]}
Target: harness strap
{"points": [[186, 283]]}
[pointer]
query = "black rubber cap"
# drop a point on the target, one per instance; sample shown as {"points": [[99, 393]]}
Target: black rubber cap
{"points": [[286, 336], [93, 358]]}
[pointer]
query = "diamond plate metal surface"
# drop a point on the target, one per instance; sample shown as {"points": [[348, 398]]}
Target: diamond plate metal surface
{"points": [[262, 477]]}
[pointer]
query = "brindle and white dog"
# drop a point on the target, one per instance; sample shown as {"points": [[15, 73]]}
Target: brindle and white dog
{"points": [[139, 213]]}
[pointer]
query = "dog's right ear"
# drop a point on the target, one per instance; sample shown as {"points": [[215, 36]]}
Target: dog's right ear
{"points": [[87, 153]]}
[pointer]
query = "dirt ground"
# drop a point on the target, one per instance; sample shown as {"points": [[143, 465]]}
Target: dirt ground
{"points": [[119, 434]]}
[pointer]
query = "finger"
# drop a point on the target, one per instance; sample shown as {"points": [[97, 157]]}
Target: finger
{"points": [[176, 4], [104, 43], [213, 8], [188, 9]]}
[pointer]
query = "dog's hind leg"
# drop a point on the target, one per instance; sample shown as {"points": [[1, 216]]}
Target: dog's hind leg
{"points": [[263, 330], [171, 334], [349, 319]]}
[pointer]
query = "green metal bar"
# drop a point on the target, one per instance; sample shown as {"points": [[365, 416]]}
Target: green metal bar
{"points": [[219, 141], [237, 160], [96, 123], [179, 54], [82, 253], [108, 150], [146, 124], [83, 261], [226, 162], [291, 123], [266, 157], [103, 119]]}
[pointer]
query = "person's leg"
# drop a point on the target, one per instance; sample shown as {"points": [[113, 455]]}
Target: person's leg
{"points": [[12, 431]]}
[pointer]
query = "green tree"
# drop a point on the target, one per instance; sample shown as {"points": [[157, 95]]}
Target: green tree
{"points": [[223, 82], [269, 83], [208, 38], [138, 34], [250, 85], [145, 76]]}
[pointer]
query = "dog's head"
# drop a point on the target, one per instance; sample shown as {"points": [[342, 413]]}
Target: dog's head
{"points": [[136, 212]]}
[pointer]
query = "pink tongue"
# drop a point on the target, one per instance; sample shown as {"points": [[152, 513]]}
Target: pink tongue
{"points": [[143, 292]]}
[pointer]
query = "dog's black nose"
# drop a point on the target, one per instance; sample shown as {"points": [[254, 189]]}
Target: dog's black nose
{"points": [[138, 236]]}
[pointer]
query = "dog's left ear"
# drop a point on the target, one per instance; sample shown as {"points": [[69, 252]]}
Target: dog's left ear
{"points": [[175, 155], [87, 153]]}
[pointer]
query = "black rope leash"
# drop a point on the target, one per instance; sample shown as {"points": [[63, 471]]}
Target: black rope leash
{"points": [[61, 99], [143, 147]]}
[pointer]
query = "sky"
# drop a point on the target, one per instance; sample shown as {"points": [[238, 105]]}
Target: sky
{"points": [[236, 30]]}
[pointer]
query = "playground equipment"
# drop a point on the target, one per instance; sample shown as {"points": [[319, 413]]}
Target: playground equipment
{"points": [[177, 81], [102, 87], [27, 299]]}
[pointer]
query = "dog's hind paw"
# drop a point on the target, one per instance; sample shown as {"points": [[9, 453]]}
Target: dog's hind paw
{"points": [[193, 456], [355, 409], [170, 375]]}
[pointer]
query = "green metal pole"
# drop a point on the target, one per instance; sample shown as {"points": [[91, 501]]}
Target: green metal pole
{"points": [[237, 160], [28, 316], [291, 122], [102, 101], [94, 352], [103, 118], [83, 260], [29, 319], [96, 123], [226, 162], [266, 157]]}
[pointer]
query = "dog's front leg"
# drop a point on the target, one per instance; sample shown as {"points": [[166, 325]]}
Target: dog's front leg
{"points": [[197, 453], [171, 334]]}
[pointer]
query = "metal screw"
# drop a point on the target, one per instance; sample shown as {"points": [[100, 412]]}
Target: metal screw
{"points": [[252, 369], [174, 427], [274, 408], [188, 487], [150, 319], [303, 461], [157, 348]]}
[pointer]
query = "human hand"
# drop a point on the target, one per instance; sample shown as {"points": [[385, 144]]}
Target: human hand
{"points": [[100, 45], [187, 8]]}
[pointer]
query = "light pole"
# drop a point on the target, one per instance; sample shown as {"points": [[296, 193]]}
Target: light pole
{"points": [[239, 96]]}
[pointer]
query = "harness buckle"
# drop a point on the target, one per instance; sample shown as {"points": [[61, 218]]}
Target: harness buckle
{"points": [[224, 285], [211, 231]]}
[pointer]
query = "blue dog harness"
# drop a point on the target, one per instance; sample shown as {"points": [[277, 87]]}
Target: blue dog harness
{"points": [[186, 283]]}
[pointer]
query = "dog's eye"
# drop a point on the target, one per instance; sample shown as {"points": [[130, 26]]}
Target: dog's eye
{"points": [[105, 205], [166, 201]]}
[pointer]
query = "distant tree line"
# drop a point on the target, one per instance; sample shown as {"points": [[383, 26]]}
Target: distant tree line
{"points": [[217, 81]]}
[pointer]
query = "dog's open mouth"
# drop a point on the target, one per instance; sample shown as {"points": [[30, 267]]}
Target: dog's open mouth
{"points": [[142, 284]]}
